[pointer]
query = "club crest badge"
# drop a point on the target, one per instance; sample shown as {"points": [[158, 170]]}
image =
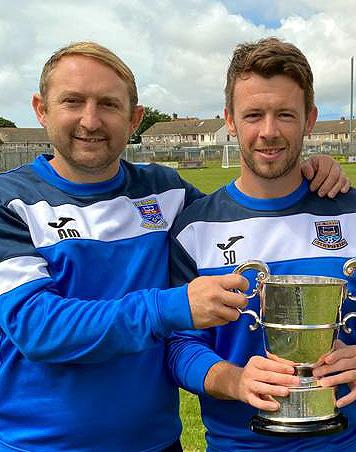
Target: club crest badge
{"points": [[151, 214], [329, 235]]}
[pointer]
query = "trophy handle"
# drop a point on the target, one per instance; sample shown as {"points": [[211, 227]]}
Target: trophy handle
{"points": [[346, 328], [263, 273], [254, 315], [348, 269]]}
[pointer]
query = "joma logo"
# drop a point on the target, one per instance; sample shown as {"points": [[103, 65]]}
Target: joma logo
{"points": [[229, 254]]}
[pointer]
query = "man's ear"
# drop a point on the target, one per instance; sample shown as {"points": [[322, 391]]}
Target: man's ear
{"points": [[136, 117], [229, 121], [40, 109], [311, 120]]}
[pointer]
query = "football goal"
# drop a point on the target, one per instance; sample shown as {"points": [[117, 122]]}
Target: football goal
{"points": [[231, 156]]}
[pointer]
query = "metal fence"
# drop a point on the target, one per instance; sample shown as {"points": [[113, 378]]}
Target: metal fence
{"points": [[16, 155], [139, 153], [12, 157]]}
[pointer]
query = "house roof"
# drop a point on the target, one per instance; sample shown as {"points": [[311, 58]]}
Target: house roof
{"points": [[334, 126], [184, 127], [23, 135]]}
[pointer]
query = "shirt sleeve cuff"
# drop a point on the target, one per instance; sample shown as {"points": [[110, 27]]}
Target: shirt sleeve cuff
{"points": [[173, 311], [198, 369]]}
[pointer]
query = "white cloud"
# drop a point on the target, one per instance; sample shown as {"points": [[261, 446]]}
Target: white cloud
{"points": [[179, 51], [329, 47]]}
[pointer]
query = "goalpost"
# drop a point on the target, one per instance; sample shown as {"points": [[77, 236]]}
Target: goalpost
{"points": [[231, 156]]}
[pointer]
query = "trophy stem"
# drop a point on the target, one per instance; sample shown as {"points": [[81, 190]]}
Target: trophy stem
{"points": [[307, 380]]}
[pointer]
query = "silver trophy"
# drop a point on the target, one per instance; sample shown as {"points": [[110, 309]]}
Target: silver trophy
{"points": [[301, 318]]}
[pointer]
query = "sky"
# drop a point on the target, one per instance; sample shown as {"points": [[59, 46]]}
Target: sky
{"points": [[179, 50]]}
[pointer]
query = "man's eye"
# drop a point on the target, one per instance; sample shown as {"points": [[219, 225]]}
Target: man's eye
{"points": [[252, 116], [286, 115], [71, 100], [110, 104]]}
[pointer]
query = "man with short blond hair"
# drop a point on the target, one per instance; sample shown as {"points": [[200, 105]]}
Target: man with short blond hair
{"points": [[85, 303]]}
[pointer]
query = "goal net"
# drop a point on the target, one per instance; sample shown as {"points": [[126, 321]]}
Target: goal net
{"points": [[231, 156]]}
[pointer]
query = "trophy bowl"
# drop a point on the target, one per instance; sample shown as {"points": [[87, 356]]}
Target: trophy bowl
{"points": [[301, 317]]}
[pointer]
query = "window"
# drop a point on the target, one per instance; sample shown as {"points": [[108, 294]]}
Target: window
{"points": [[336, 136], [201, 137], [227, 137]]}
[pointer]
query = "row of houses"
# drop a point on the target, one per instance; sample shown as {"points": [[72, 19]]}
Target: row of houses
{"points": [[327, 136], [30, 138], [187, 132], [332, 137]]}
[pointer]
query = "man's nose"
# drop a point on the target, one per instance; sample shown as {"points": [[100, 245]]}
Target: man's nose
{"points": [[90, 117], [269, 128]]}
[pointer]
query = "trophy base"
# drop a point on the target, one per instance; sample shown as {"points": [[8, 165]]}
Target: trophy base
{"points": [[336, 424]]}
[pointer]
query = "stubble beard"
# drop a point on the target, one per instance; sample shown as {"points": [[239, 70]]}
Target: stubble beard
{"points": [[272, 170], [91, 162]]}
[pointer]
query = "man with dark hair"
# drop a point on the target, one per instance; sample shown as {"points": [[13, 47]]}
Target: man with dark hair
{"points": [[269, 214]]}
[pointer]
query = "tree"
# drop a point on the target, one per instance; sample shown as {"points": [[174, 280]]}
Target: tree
{"points": [[6, 123], [150, 117]]}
